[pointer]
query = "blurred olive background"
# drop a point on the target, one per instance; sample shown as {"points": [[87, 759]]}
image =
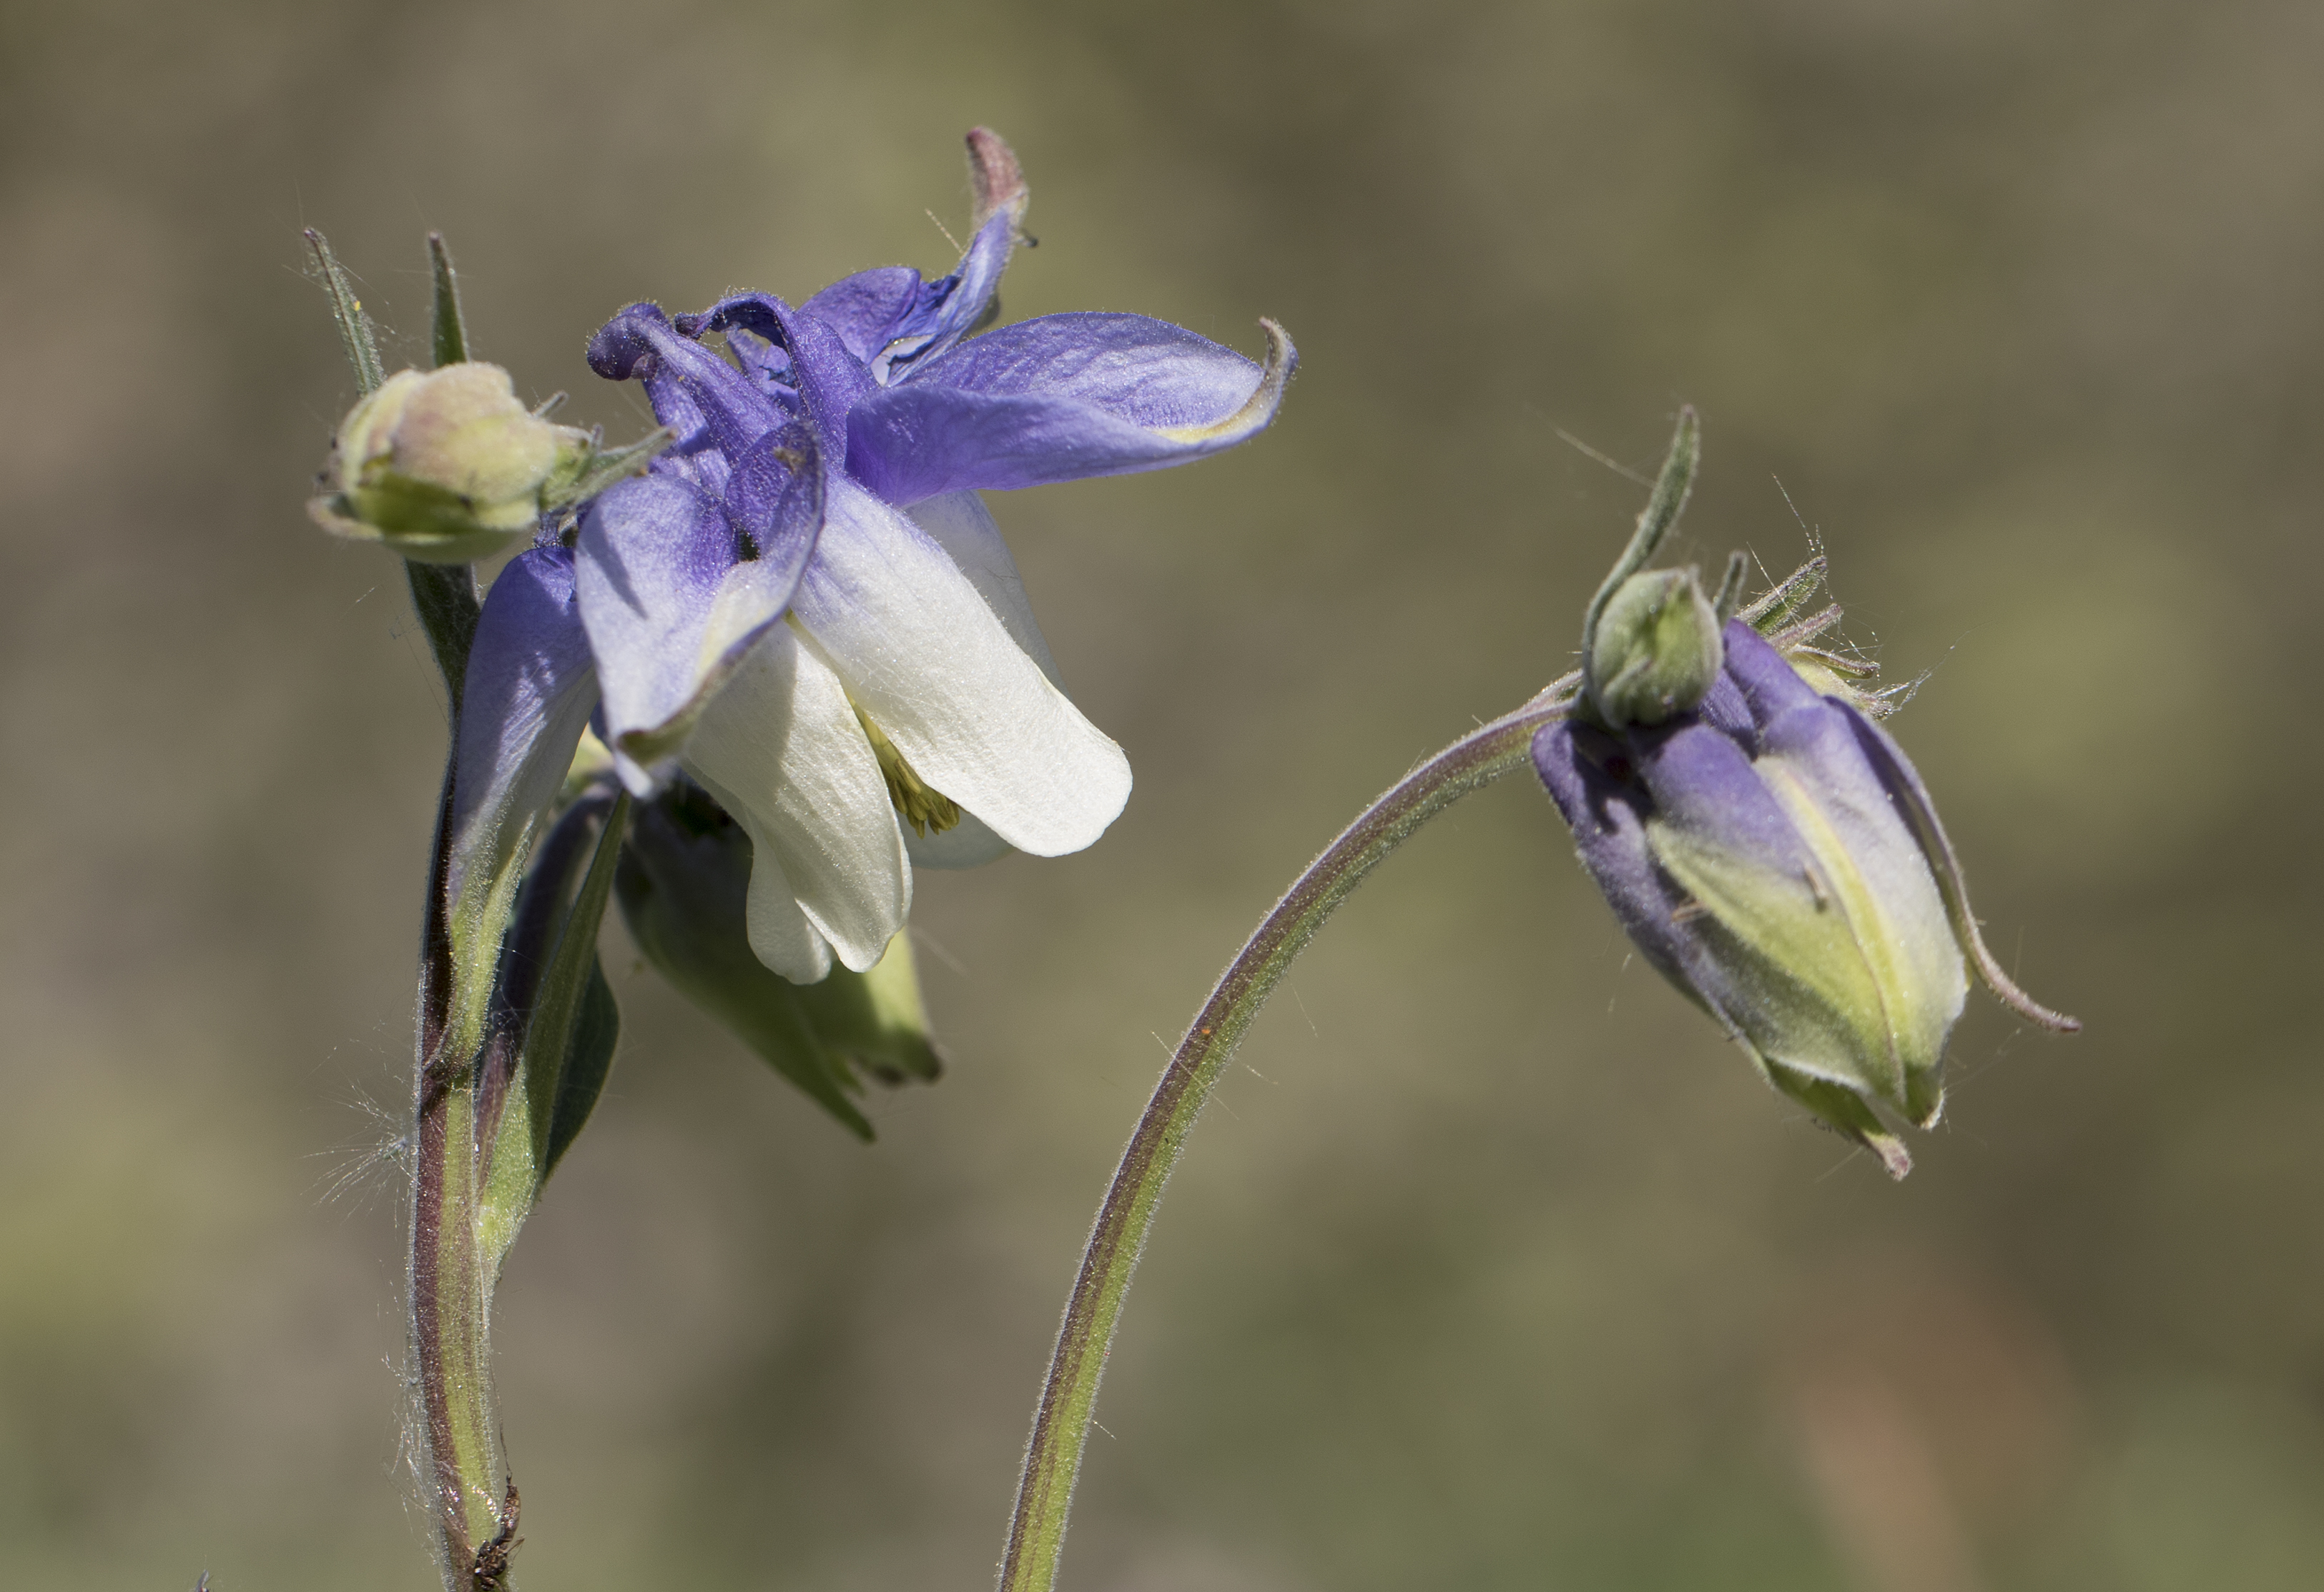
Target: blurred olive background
{"points": [[1495, 1268]]}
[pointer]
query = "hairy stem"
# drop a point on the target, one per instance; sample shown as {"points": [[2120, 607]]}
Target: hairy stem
{"points": [[1061, 1424], [462, 1471], [460, 1465]]}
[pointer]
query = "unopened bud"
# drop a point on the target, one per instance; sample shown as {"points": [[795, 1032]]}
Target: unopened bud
{"points": [[444, 466], [1656, 650]]}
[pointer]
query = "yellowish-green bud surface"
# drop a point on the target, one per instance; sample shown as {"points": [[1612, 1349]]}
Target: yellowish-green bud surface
{"points": [[444, 466]]}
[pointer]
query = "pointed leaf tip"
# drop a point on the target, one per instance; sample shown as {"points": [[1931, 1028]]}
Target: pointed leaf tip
{"points": [[449, 338]]}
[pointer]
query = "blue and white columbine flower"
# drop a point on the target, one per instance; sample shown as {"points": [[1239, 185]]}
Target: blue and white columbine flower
{"points": [[804, 604]]}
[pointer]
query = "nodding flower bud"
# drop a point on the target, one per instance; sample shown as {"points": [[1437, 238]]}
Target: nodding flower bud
{"points": [[1656, 650], [1772, 853], [445, 467], [1766, 844]]}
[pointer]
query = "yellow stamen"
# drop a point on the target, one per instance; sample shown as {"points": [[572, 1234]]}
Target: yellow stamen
{"points": [[928, 811]]}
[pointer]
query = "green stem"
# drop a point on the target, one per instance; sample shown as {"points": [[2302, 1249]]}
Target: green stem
{"points": [[460, 1461], [465, 1068], [464, 1469], [1061, 1424]]}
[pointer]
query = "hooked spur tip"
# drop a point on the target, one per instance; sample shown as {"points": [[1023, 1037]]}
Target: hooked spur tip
{"points": [[1894, 1159], [623, 346], [996, 178]]}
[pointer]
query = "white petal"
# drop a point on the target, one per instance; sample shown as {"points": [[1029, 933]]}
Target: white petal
{"points": [[781, 750], [780, 936], [960, 523], [934, 667], [969, 844]]}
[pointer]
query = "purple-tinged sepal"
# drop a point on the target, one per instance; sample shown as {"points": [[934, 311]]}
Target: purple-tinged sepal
{"points": [[1064, 398], [794, 359], [530, 688], [676, 583], [890, 320], [1766, 845]]}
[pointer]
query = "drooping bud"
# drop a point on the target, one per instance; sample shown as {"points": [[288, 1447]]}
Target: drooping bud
{"points": [[1765, 843], [1774, 856], [1656, 649], [683, 882], [445, 466]]}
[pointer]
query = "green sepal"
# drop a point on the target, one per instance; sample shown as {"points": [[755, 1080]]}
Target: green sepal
{"points": [[589, 469], [1842, 1111], [588, 1062], [422, 521], [1655, 652], [1787, 600], [684, 884]]}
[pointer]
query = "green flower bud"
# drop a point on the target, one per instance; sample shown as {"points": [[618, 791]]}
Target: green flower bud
{"points": [[1656, 649], [445, 467]]}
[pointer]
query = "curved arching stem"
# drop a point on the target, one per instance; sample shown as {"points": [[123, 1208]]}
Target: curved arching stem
{"points": [[1061, 1424]]}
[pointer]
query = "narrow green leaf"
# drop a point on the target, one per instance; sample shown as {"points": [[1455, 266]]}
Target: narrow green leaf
{"points": [[587, 1063], [523, 1137], [596, 468], [451, 336], [348, 311], [1788, 598], [1667, 504]]}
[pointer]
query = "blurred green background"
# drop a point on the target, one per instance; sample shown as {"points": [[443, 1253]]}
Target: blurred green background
{"points": [[1495, 1268]]}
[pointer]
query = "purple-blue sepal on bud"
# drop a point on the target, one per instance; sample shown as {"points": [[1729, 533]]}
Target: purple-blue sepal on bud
{"points": [[1768, 848]]}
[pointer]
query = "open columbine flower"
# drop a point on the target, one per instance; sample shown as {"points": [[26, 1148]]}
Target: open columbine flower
{"points": [[805, 606]]}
